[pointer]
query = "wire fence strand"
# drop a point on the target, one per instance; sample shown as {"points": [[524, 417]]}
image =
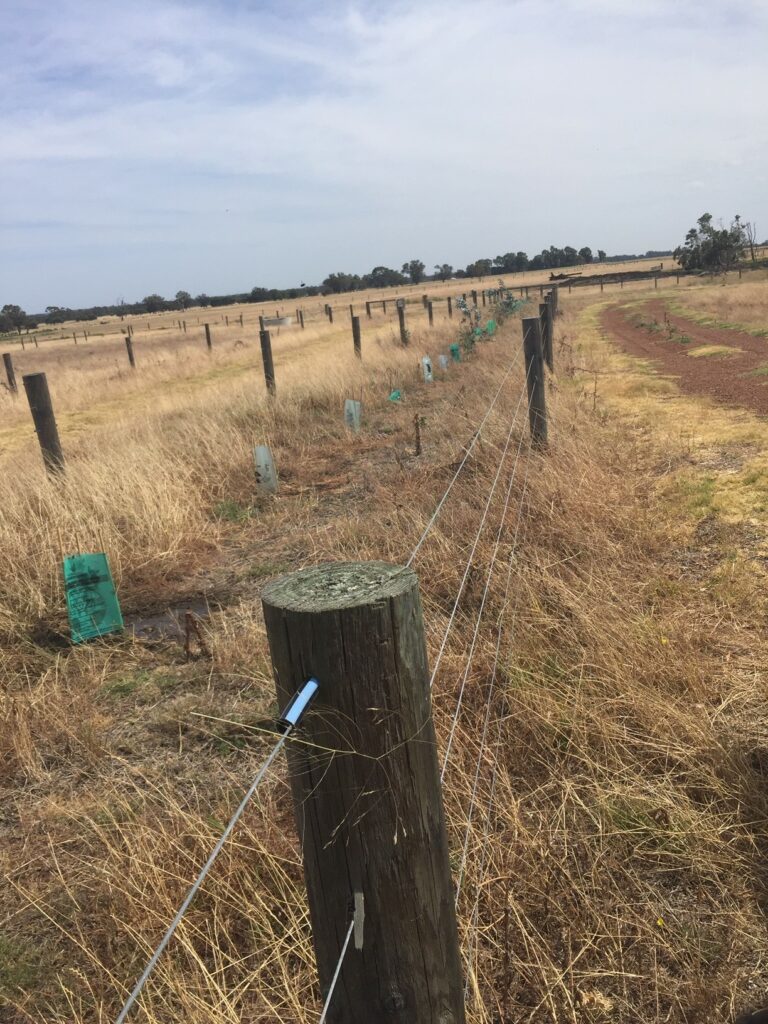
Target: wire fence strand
{"points": [[467, 453]]}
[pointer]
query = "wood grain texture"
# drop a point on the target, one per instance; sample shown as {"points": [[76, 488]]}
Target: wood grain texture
{"points": [[534, 371], [366, 789]]}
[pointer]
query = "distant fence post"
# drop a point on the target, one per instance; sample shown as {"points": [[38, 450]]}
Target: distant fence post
{"points": [[534, 375], [330, 314], [401, 318], [301, 318], [430, 313], [368, 310], [266, 356], [450, 307], [483, 296], [39, 398], [10, 373], [474, 298], [129, 350], [555, 293], [356, 336], [208, 341], [384, 305], [370, 820], [601, 283], [351, 310], [547, 319]]}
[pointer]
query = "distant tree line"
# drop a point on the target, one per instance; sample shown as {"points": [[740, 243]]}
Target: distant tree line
{"points": [[706, 247]]}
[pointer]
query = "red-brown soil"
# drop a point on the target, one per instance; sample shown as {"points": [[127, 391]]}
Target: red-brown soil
{"points": [[728, 378]]}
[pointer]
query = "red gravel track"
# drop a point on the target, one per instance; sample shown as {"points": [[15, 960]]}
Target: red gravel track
{"points": [[725, 379]]}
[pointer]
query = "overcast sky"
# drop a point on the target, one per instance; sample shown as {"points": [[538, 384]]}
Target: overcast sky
{"points": [[213, 146]]}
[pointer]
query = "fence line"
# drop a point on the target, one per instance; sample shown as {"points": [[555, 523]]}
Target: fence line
{"points": [[474, 546], [467, 453], [295, 710]]}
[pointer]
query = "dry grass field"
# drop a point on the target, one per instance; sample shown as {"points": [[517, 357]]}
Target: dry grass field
{"points": [[618, 875]]}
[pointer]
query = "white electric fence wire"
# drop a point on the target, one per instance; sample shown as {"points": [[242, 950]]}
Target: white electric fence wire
{"points": [[200, 878], [337, 972], [488, 580], [492, 685], [494, 774], [468, 566], [475, 634], [467, 453]]}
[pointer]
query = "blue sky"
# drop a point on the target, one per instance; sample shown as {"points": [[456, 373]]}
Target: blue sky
{"points": [[215, 146]]}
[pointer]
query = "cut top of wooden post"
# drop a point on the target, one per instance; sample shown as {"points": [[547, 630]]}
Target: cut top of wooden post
{"points": [[338, 585]]}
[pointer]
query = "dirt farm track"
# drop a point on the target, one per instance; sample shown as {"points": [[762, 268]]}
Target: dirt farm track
{"points": [[727, 365]]}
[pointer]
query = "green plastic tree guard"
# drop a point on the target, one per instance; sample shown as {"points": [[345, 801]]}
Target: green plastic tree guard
{"points": [[92, 602]]}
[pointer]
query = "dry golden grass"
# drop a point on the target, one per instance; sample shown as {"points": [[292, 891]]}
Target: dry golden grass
{"points": [[619, 875]]}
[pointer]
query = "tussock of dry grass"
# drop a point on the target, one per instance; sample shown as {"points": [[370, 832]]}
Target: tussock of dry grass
{"points": [[618, 875]]}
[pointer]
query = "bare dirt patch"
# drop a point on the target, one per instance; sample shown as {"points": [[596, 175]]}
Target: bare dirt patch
{"points": [[735, 373]]}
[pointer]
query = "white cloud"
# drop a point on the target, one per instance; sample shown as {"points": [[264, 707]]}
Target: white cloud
{"points": [[351, 135]]}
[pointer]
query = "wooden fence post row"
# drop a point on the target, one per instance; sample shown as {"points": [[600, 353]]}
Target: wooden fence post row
{"points": [[371, 820]]}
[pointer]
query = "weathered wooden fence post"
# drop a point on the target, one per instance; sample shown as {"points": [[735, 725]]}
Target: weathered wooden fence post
{"points": [[266, 357], [534, 375], [370, 819], [330, 314], [450, 307], [474, 298], [10, 373], [368, 310], [555, 293], [208, 341], [39, 398], [545, 318], [401, 317], [301, 318], [356, 336], [430, 313], [129, 350]]}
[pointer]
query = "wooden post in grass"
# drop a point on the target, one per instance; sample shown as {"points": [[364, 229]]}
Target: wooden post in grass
{"points": [[10, 373], [384, 305], [450, 307], [401, 319], [356, 336], [261, 324], [351, 310], [547, 334], [370, 820], [241, 319], [301, 318], [555, 293], [330, 314], [655, 280], [368, 310], [266, 356], [74, 336], [129, 350], [483, 296], [534, 375], [430, 313], [39, 398], [601, 283], [208, 341], [226, 319], [474, 298]]}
